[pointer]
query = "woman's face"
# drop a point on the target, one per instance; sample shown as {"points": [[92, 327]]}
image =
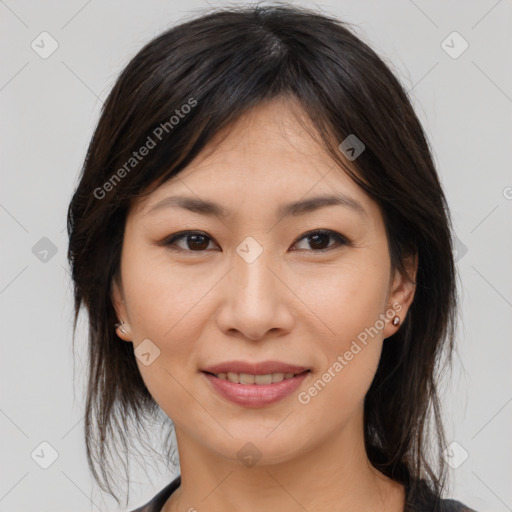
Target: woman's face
{"points": [[249, 285]]}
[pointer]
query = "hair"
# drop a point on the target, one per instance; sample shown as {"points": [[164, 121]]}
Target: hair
{"points": [[180, 90]]}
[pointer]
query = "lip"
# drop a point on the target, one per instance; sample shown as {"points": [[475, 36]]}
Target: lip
{"points": [[262, 368], [255, 395]]}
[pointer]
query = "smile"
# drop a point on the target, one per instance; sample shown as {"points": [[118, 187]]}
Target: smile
{"points": [[258, 380], [250, 390]]}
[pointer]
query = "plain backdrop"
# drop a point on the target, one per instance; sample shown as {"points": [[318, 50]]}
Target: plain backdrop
{"points": [[453, 58]]}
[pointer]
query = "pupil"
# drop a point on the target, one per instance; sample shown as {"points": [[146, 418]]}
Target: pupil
{"points": [[197, 244], [314, 239]]}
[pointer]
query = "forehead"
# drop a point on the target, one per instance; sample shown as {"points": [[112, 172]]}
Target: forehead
{"points": [[268, 152], [276, 130]]}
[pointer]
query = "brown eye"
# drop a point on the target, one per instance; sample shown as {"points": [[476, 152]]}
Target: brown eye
{"points": [[318, 240], [197, 242], [193, 241]]}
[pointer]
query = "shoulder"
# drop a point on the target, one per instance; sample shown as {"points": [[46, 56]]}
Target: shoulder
{"points": [[440, 505], [157, 502], [454, 506], [421, 498], [414, 504]]}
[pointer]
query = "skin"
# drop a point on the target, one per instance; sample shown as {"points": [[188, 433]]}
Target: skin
{"points": [[294, 304]]}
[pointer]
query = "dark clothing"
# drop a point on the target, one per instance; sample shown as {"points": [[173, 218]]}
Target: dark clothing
{"points": [[427, 502]]}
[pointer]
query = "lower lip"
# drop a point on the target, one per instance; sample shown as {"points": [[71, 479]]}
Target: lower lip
{"points": [[255, 395]]}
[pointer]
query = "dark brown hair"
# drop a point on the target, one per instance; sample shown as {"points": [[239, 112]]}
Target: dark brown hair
{"points": [[221, 64]]}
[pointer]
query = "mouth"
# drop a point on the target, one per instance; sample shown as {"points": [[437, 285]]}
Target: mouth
{"points": [[256, 384], [254, 379]]}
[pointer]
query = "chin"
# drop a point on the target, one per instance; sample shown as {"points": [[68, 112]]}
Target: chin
{"points": [[258, 448]]}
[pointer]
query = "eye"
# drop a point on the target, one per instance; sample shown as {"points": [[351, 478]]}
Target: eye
{"points": [[197, 241], [320, 237]]}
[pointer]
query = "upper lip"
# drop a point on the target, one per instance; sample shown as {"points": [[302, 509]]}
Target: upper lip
{"points": [[262, 368]]}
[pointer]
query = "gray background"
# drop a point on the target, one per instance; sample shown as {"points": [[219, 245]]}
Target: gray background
{"points": [[49, 109]]}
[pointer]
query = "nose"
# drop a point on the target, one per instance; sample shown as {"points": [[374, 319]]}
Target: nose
{"points": [[256, 300]]}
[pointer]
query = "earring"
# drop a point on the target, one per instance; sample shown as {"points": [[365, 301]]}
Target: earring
{"points": [[119, 325], [396, 320]]}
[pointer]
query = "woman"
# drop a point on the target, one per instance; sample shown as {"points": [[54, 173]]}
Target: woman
{"points": [[264, 250]]}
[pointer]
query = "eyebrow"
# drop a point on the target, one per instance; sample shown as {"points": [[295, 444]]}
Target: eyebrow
{"points": [[296, 208]]}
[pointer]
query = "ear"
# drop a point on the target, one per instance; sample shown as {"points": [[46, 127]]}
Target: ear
{"points": [[401, 293], [117, 295]]}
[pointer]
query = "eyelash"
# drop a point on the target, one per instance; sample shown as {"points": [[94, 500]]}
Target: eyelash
{"points": [[342, 240]]}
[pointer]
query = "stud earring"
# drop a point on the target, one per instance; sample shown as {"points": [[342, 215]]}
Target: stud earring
{"points": [[396, 320], [119, 325]]}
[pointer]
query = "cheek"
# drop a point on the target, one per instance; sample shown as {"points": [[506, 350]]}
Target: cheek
{"points": [[165, 307], [163, 296], [348, 303], [168, 304], [337, 393], [346, 299]]}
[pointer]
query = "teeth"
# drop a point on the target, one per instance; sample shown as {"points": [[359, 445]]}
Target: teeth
{"points": [[261, 379], [247, 378]]}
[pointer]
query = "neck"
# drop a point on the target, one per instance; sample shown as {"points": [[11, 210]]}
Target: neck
{"points": [[335, 475]]}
